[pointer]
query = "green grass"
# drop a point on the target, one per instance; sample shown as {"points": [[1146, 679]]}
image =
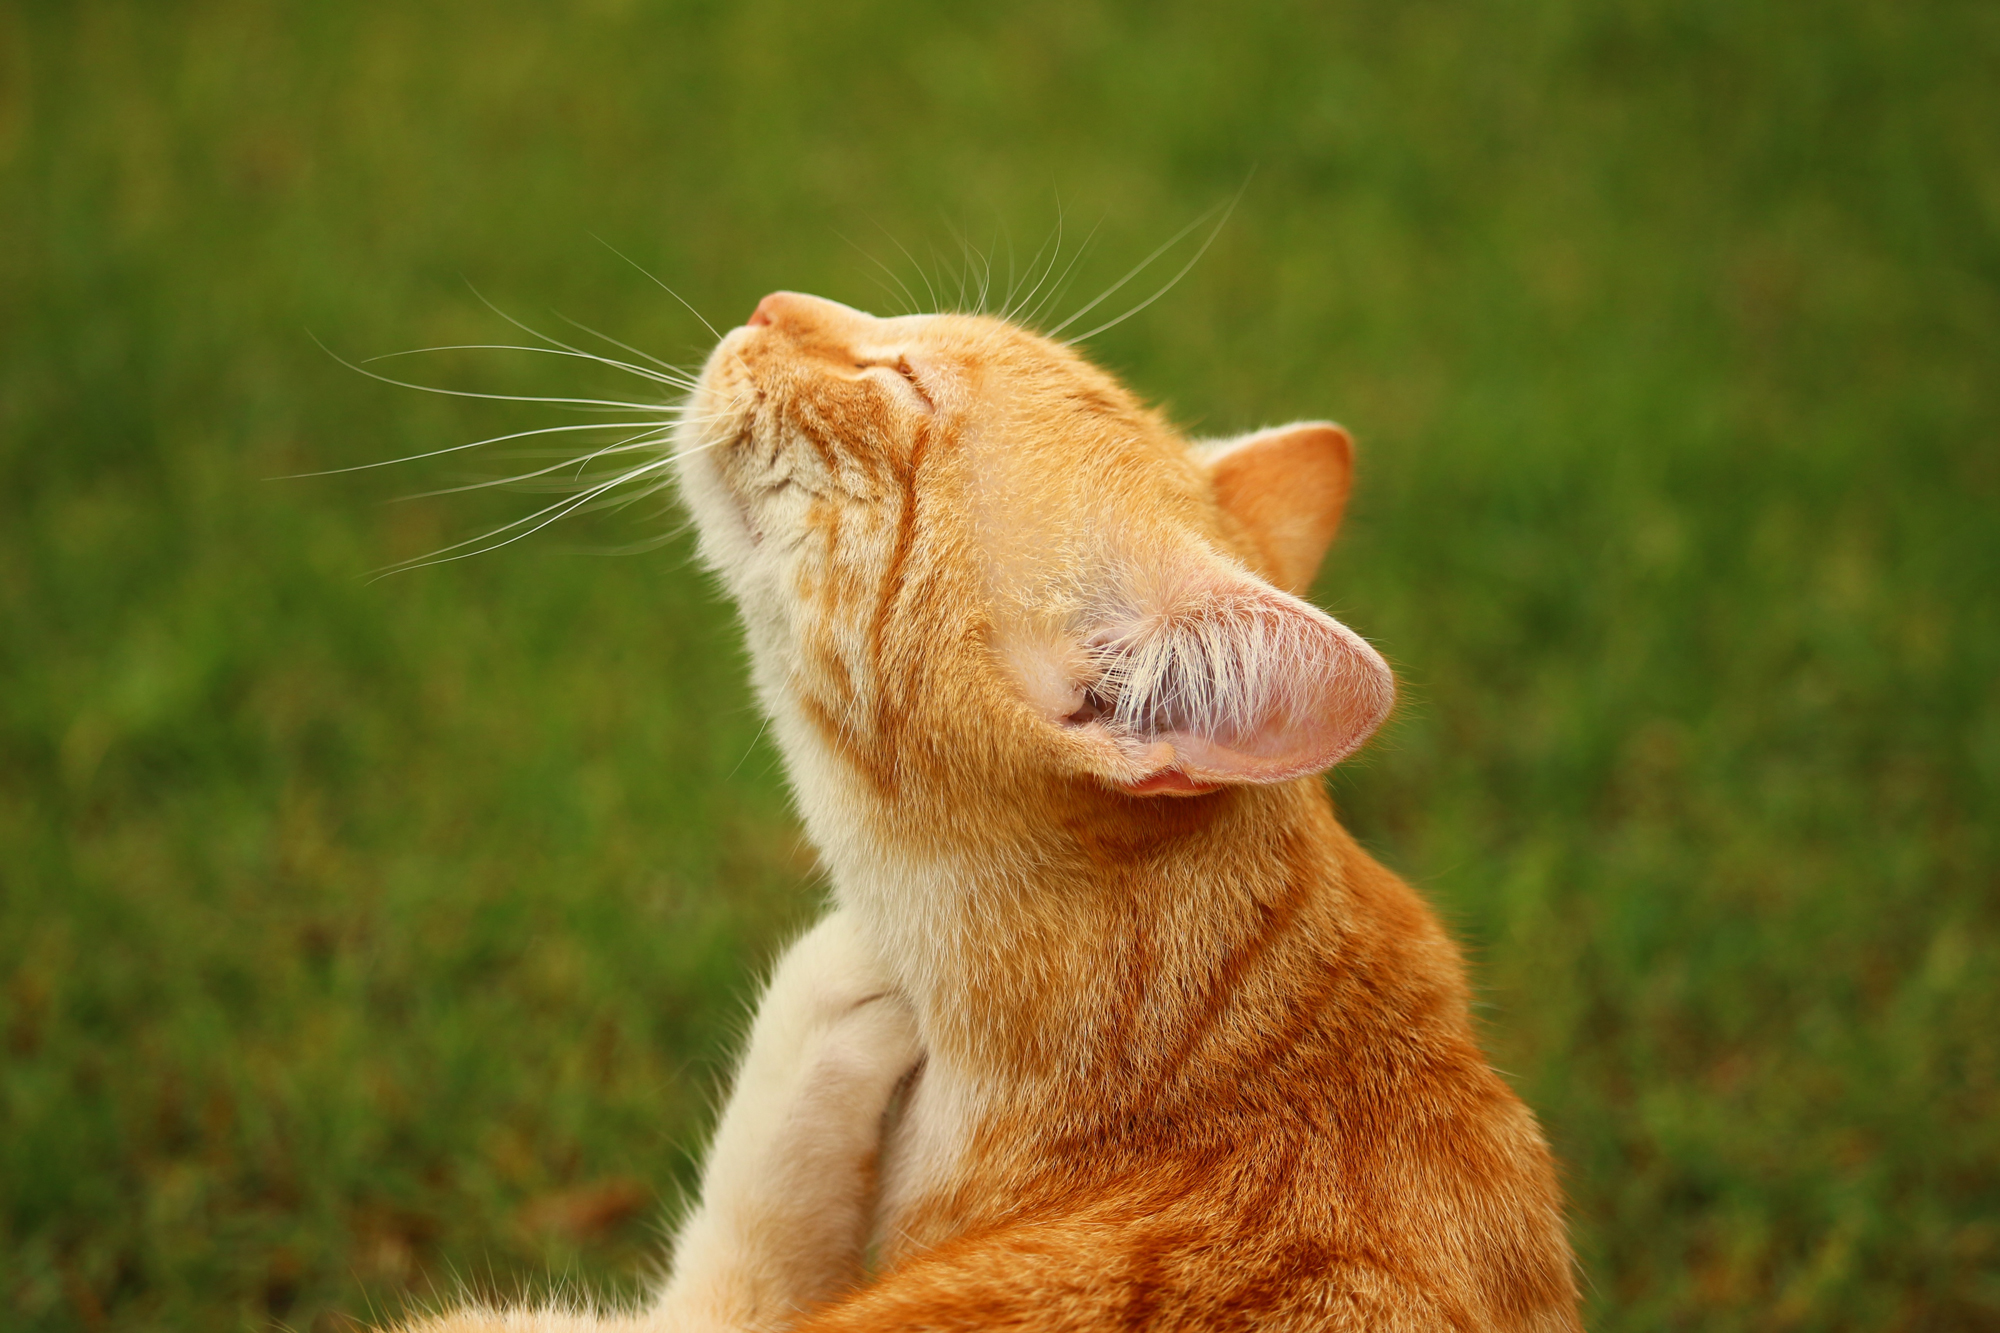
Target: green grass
{"points": [[349, 929]]}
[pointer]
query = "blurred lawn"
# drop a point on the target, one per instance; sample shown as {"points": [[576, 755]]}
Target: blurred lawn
{"points": [[360, 939]]}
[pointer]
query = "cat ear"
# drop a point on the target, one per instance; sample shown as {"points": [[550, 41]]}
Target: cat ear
{"points": [[1287, 487], [1217, 677]]}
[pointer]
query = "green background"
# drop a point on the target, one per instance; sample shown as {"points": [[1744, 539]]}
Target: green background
{"points": [[363, 941]]}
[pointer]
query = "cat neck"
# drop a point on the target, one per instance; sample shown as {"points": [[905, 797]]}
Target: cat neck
{"points": [[1025, 962]]}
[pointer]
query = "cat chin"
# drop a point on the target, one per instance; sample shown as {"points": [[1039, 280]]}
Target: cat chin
{"points": [[729, 538]]}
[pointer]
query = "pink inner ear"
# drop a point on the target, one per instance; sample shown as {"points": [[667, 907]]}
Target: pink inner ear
{"points": [[1255, 687], [1338, 697]]}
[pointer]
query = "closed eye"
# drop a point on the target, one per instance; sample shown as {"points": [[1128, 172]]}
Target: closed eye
{"points": [[909, 375], [901, 365]]}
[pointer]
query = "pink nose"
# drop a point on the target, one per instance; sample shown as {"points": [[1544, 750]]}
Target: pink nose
{"points": [[769, 309]]}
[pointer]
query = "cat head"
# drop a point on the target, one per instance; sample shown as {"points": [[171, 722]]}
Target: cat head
{"points": [[970, 561]]}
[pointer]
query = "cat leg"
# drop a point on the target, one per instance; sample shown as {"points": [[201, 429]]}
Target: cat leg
{"points": [[788, 1190]]}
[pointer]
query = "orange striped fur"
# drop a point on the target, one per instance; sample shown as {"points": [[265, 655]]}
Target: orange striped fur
{"points": [[1181, 1054]]}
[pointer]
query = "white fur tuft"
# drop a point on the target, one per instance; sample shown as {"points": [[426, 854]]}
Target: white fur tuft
{"points": [[1230, 660]]}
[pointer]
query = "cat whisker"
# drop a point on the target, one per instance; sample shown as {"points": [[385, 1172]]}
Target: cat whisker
{"points": [[1007, 240], [937, 265], [1135, 271], [626, 347], [558, 487], [676, 371], [1171, 282], [610, 481], [581, 404], [959, 303], [1060, 286], [628, 445], [562, 455], [661, 285], [456, 448], [528, 525], [619, 503], [975, 254], [700, 448], [898, 305], [914, 263], [634, 445], [910, 308], [1011, 308], [965, 280], [641, 547], [681, 378], [442, 556], [568, 473], [1050, 285], [675, 381]]}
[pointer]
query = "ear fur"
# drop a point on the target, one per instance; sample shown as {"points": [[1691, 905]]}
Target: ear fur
{"points": [[1215, 677], [1287, 487]]}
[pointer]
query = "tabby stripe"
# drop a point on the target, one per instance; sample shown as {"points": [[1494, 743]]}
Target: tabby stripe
{"points": [[888, 714], [1277, 919]]}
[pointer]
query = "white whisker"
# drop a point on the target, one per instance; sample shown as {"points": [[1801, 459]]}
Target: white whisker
{"points": [[640, 547], [909, 296], [1061, 284], [961, 301], [914, 263], [456, 448], [671, 369], [985, 271], [1171, 282], [558, 455], [1134, 272], [585, 404], [616, 504], [661, 285], [628, 445], [563, 486], [985, 274], [682, 378], [641, 371], [562, 509], [700, 448], [438, 556], [644, 454], [1011, 308], [1007, 298]]}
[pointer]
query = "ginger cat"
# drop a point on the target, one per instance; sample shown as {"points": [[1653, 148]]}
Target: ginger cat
{"points": [[1112, 1026]]}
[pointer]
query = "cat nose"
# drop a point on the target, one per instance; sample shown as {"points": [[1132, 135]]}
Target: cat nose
{"points": [[771, 309], [802, 314]]}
